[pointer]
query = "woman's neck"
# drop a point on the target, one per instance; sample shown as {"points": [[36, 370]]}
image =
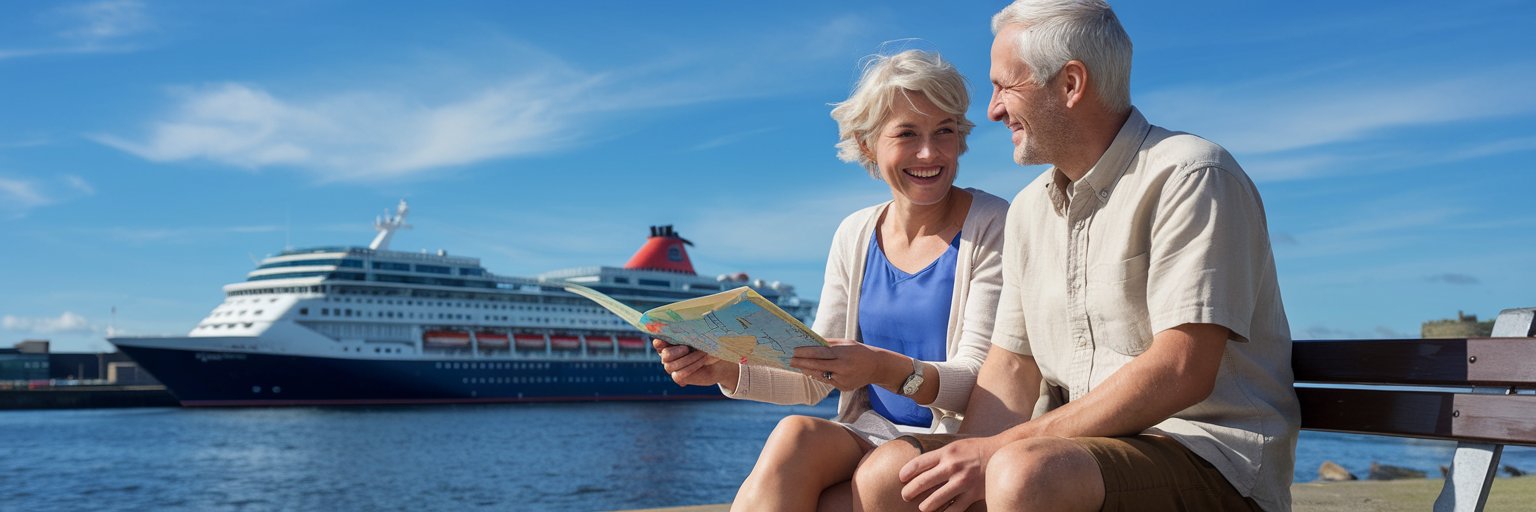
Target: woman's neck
{"points": [[913, 221]]}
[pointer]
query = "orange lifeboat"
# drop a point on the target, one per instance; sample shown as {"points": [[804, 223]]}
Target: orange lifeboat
{"points": [[631, 343], [529, 341], [600, 343], [565, 342], [445, 339], [492, 340]]}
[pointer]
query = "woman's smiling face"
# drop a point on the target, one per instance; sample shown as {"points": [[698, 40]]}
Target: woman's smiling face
{"points": [[917, 150]]}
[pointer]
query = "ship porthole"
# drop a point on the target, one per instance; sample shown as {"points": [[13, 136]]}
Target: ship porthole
{"points": [[277, 389], [255, 389]]}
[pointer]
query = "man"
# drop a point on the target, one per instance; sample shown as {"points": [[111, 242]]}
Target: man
{"points": [[1140, 328]]}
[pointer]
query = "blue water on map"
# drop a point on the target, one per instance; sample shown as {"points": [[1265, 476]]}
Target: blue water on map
{"points": [[582, 456]]}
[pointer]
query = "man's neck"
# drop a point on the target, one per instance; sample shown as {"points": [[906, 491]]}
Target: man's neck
{"points": [[1094, 139]]}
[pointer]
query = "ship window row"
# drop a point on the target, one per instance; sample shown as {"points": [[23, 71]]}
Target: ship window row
{"points": [[494, 366], [234, 313], [348, 313], [315, 263], [541, 379], [472, 305], [247, 325], [280, 289]]}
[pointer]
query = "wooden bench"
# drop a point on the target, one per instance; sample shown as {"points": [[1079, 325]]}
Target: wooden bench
{"points": [[1479, 392]]}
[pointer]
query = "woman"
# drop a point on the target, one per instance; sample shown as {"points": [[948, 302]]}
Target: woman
{"points": [[911, 287]]}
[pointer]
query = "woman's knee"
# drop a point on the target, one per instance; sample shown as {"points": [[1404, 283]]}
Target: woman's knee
{"points": [[799, 433]]}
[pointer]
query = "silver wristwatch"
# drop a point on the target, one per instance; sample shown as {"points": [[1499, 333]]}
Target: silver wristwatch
{"points": [[914, 381]]}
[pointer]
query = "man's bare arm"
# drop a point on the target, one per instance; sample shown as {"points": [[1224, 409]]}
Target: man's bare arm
{"points": [[1007, 388], [1177, 371]]}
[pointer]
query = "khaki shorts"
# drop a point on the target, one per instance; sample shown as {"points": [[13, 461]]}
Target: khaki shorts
{"points": [[1143, 472]]}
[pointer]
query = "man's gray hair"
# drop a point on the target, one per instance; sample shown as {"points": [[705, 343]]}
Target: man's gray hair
{"points": [[886, 80], [1057, 31]]}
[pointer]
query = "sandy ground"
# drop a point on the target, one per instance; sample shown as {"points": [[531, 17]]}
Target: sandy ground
{"points": [[1509, 494]]}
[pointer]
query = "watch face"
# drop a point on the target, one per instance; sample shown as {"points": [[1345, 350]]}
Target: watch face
{"points": [[913, 382]]}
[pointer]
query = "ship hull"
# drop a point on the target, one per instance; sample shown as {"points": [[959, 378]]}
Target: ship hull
{"points": [[201, 378]]}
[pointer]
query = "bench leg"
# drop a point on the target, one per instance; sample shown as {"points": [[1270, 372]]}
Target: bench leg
{"points": [[1472, 473]]}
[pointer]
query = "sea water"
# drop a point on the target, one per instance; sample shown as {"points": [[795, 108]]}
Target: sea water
{"points": [[577, 456]]}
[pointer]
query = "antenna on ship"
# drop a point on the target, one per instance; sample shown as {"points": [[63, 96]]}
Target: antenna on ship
{"points": [[387, 226]]}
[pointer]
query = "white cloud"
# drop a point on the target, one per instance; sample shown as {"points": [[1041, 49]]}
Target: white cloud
{"points": [[108, 19], [148, 235], [413, 127], [79, 184], [361, 136], [66, 323], [105, 26], [21, 195], [1277, 118]]}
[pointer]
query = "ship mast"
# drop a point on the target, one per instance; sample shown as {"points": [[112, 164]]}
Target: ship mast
{"points": [[387, 226]]}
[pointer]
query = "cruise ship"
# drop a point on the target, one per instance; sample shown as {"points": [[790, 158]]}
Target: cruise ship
{"points": [[368, 325]]}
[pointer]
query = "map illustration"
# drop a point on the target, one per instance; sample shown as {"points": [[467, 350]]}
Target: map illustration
{"points": [[735, 325]]}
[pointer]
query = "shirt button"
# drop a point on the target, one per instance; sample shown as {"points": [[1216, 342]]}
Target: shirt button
{"points": [[1103, 194]]}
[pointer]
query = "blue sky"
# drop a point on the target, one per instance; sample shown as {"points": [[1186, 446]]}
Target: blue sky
{"points": [[149, 151]]}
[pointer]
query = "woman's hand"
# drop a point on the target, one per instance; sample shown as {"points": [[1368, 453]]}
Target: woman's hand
{"points": [[849, 365], [689, 367]]}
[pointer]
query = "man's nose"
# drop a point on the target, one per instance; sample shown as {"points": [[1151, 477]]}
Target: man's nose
{"points": [[995, 109]]}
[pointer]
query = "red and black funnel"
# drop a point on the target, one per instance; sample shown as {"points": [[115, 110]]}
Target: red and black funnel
{"points": [[662, 251]]}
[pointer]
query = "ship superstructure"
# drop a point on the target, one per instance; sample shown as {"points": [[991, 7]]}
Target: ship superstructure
{"points": [[336, 325]]}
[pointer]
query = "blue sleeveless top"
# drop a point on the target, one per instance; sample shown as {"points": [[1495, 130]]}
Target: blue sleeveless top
{"points": [[906, 313]]}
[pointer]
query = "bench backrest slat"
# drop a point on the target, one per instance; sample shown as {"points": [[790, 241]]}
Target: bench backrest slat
{"points": [[1508, 419], [1427, 362]]}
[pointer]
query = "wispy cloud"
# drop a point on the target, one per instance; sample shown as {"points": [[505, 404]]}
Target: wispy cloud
{"points": [[1275, 119], [421, 128], [66, 323], [1453, 278], [729, 138], [361, 136], [106, 26], [155, 235], [80, 185], [1325, 332], [17, 197]]}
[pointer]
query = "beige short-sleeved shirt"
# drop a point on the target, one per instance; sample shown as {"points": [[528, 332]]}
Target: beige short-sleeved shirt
{"points": [[1165, 230]]}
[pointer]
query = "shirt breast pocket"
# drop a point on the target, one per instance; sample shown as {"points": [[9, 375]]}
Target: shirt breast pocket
{"points": [[1116, 301]]}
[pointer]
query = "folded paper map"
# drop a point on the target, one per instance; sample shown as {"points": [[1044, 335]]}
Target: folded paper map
{"points": [[734, 325]]}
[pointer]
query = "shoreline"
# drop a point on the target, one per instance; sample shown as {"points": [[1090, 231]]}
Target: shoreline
{"points": [[1509, 493]]}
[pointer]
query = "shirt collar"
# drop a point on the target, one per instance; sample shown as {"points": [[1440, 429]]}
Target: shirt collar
{"points": [[1101, 178]]}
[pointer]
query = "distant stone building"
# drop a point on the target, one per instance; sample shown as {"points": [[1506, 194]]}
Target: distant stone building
{"points": [[1463, 326]]}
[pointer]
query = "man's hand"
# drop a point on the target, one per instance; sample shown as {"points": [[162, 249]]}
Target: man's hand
{"points": [[955, 474]]}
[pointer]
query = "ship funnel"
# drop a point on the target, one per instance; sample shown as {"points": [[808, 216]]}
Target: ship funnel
{"points": [[664, 251]]}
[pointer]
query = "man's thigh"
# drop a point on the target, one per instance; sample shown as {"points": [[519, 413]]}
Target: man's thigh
{"points": [[1154, 473]]}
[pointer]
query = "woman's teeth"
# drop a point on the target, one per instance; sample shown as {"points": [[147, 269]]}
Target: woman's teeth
{"points": [[927, 172]]}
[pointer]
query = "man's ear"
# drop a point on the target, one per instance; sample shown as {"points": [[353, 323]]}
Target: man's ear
{"points": [[1073, 82]]}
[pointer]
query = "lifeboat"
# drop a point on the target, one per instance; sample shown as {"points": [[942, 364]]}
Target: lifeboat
{"points": [[599, 343], [530, 341], [492, 340], [631, 343], [565, 342], [445, 339]]}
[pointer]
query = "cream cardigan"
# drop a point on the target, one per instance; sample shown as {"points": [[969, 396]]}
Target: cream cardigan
{"points": [[978, 283]]}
